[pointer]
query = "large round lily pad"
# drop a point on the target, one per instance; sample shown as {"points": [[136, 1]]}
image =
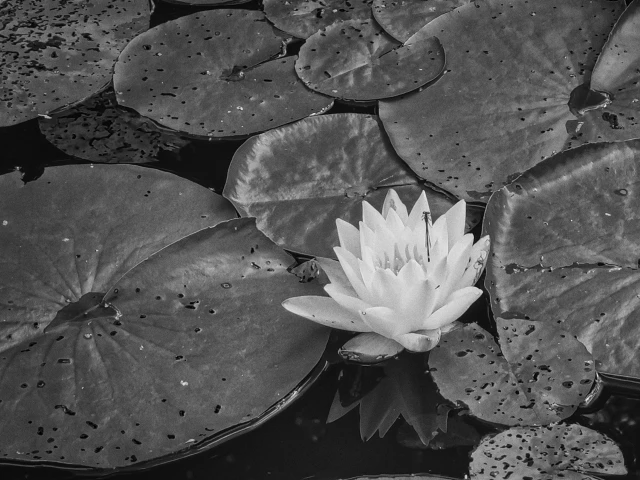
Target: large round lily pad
{"points": [[403, 18], [525, 59], [571, 452], [616, 76], [565, 249], [357, 60], [98, 130], [55, 53], [538, 376], [303, 18], [299, 178], [166, 333], [214, 73]]}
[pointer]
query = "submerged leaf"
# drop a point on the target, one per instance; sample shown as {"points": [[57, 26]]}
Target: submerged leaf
{"points": [[524, 59], [56, 53], [215, 73], [570, 452], [540, 377], [99, 131], [168, 326], [298, 179], [565, 249]]}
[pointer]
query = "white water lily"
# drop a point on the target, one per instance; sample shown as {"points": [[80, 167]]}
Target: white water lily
{"points": [[399, 276]]}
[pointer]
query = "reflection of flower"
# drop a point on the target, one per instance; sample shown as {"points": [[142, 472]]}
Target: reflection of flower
{"points": [[399, 275]]}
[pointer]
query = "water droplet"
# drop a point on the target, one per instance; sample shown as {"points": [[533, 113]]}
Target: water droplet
{"points": [[623, 192], [225, 285]]}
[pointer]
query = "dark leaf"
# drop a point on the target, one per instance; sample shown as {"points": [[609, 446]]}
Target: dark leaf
{"points": [[570, 452], [56, 53], [356, 60], [167, 330], [299, 178], [540, 377], [403, 18], [565, 250], [502, 105], [215, 73], [303, 18]]}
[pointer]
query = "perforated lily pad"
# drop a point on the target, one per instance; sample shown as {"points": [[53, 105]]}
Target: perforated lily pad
{"points": [[99, 131], [402, 18], [616, 77], [297, 179], [525, 59], [303, 18], [214, 74], [55, 53], [539, 377], [357, 60], [160, 341], [565, 249], [570, 452]]}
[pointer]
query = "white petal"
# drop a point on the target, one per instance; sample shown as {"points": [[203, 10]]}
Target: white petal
{"points": [[395, 224], [367, 269], [417, 216], [421, 341], [335, 272], [349, 236], [325, 311], [457, 261], [457, 303], [345, 300], [392, 202], [383, 320], [386, 289], [456, 216], [418, 296], [477, 261], [439, 237], [351, 269], [367, 238], [385, 246], [372, 218]]}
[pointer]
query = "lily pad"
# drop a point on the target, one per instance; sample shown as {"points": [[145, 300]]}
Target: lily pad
{"points": [[303, 18], [525, 59], [573, 452], [565, 250], [215, 73], [403, 18], [299, 178], [357, 60], [168, 331], [56, 53], [98, 130], [540, 376], [616, 76]]}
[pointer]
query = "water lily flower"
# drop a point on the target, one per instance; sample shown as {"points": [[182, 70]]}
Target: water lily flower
{"points": [[400, 279]]}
